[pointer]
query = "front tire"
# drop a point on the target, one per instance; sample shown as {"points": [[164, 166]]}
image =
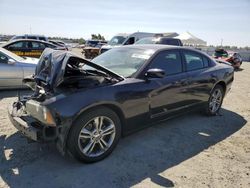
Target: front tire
{"points": [[94, 135], [215, 101]]}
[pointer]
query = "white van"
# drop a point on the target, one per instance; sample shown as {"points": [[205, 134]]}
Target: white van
{"points": [[127, 39]]}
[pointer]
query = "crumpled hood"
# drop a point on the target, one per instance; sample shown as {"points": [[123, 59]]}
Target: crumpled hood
{"points": [[52, 64]]}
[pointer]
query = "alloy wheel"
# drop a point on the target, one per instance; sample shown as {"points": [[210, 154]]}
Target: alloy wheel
{"points": [[215, 100], [96, 136]]}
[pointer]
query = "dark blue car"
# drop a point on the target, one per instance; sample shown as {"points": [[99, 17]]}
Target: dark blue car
{"points": [[85, 107]]}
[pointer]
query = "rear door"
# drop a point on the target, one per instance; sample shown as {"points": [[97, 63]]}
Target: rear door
{"points": [[200, 76], [11, 75], [34, 49]]}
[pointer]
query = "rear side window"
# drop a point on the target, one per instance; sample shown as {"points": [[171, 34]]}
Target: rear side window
{"points": [[193, 60], [205, 61], [169, 61], [35, 45]]}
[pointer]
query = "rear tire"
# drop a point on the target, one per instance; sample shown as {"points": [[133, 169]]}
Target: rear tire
{"points": [[215, 101], [94, 135]]}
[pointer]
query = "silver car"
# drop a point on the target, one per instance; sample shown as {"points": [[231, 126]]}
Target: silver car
{"points": [[14, 68]]}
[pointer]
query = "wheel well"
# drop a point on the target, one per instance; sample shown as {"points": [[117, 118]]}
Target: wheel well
{"points": [[119, 112], [114, 108], [223, 85]]}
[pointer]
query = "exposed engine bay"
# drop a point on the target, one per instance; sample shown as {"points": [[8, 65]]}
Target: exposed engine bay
{"points": [[60, 70]]}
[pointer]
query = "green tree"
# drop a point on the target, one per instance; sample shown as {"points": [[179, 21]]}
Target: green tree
{"points": [[97, 37], [81, 41]]}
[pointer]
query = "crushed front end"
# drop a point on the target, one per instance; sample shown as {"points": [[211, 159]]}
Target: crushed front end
{"points": [[33, 120], [44, 116]]}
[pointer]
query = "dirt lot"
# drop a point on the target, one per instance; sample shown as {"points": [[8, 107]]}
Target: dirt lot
{"points": [[188, 151]]}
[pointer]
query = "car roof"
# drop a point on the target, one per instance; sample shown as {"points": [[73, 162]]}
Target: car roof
{"points": [[32, 40], [37, 35]]}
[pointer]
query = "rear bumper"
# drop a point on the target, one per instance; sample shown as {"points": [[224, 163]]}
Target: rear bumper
{"points": [[31, 128]]}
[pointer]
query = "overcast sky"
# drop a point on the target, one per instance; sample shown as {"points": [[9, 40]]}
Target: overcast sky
{"points": [[211, 20]]}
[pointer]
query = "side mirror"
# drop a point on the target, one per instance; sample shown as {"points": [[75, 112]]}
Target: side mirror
{"points": [[155, 73], [11, 61]]}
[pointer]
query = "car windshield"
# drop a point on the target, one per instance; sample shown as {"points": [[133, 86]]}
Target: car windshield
{"points": [[92, 43], [124, 61], [117, 40], [148, 40]]}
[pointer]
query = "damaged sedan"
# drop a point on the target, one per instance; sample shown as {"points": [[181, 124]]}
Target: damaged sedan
{"points": [[86, 106]]}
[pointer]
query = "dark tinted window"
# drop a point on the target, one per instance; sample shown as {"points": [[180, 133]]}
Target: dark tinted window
{"points": [[131, 40], [35, 45], [31, 37], [193, 60], [3, 58], [205, 61], [169, 61], [42, 38], [16, 45], [170, 42], [42, 46]]}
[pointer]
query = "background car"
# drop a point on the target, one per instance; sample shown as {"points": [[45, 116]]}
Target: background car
{"points": [[126, 39], [58, 43], [14, 68], [29, 36], [160, 40], [85, 107], [233, 58], [30, 47], [92, 48]]}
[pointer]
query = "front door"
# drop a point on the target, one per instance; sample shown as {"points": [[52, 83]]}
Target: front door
{"points": [[170, 93]]}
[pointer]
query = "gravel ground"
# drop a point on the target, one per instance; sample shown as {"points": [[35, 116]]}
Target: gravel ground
{"points": [[189, 151]]}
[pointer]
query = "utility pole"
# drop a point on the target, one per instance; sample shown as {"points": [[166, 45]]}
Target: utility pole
{"points": [[221, 42]]}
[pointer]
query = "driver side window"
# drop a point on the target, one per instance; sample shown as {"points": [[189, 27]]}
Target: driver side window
{"points": [[131, 40], [169, 61], [3, 58]]}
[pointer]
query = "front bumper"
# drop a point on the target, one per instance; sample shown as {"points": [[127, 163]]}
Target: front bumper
{"points": [[31, 128]]}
